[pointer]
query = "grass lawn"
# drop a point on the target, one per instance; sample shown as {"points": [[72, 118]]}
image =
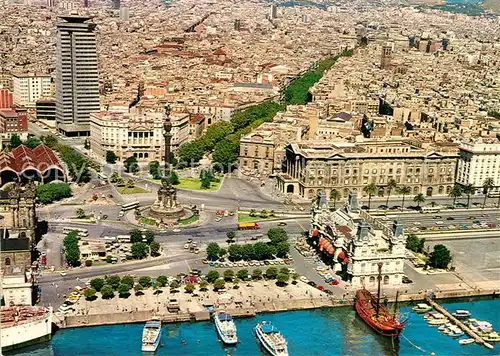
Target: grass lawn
{"points": [[147, 221], [134, 190], [242, 217], [189, 220], [195, 184]]}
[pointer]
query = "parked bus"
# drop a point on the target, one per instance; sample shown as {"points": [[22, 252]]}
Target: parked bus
{"points": [[123, 238], [430, 209], [79, 231], [130, 206]]}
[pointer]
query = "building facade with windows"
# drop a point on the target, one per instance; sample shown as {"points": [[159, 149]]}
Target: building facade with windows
{"points": [[354, 242], [138, 134], [313, 166], [477, 162], [30, 87]]}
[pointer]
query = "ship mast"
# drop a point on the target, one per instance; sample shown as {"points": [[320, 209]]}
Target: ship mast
{"points": [[379, 278], [396, 304]]}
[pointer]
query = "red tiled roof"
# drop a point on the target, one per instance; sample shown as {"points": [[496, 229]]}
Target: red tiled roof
{"points": [[197, 119], [21, 158], [344, 230]]}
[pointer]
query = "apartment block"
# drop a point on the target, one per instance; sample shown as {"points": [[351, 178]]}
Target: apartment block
{"points": [[30, 87]]}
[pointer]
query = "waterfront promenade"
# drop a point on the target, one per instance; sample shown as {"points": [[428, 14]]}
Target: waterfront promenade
{"points": [[248, 300]]}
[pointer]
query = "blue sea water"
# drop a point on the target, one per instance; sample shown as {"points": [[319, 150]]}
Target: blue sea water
{"points": [[321, 332]]}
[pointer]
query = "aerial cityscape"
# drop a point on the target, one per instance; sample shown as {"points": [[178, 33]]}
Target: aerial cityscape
{"points": [[303, 177]]}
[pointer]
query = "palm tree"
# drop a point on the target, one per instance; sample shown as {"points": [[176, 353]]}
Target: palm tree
{"points": [[419, 199], [334, 195], [487, 185], [371, 189], [404, 190], [456, 192], [391, 184], [468, 190]]}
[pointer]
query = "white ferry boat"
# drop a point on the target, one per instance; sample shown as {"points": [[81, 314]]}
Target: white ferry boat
{"points": [[271, 339], [151, 336], [226, 328], [24, 325]]}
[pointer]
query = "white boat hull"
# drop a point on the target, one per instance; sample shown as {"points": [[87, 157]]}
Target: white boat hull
{"points": [[266, 346], [228, 340], [152, 347]]}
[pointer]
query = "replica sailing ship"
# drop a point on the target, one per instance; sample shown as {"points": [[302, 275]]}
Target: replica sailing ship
{"points": [[375, 315]]}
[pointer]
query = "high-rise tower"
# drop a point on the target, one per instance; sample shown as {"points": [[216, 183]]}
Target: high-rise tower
{"points": [[385, 59], [273, 11], [77, 78]]}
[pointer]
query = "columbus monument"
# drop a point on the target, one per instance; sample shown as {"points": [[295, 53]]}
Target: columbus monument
{"points": [[166, 206]]}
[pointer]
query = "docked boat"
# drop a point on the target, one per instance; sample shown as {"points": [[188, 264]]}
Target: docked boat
{"points": [[225, 328], [435, 318], [271, 339], [454, 331], [491, 337], [151, 336], [461, 314], [480, 327], [421, 308], [444, 327], [466, 341], [24, 326]]}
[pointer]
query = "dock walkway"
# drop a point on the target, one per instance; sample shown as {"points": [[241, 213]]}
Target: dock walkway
{"points": [[479, 340]]}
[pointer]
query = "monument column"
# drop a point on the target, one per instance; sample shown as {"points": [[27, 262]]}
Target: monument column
{"points": [[167, 135]]}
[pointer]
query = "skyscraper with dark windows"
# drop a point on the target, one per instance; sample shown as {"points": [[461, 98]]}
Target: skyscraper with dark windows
{"points": [[77, 78]]}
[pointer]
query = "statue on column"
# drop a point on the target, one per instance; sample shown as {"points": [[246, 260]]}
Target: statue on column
{"points": [[167, 194]]}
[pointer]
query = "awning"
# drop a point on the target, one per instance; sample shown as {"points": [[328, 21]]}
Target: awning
{"points": [[322, 243], [315, 233], [330, 249]]}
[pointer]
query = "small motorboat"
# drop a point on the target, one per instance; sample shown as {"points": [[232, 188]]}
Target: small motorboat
{"points": [[454, 331], [466, 341], [435, 318], [492, 337], [481, 327], [421, 308], [444, 327], [461, 314]]}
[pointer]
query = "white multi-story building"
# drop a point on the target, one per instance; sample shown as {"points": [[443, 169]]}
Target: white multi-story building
{"points": [[477, 162], [16, 290], [355, 242], [138, 134], [28, 88]]}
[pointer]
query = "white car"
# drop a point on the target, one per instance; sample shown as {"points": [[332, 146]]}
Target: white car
{"points": [[304, 279], [62, 273], [176, 230]]}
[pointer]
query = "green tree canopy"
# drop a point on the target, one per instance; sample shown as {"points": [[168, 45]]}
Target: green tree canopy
{"points": [[231, 235], [128, 280], [139, 250], [145, 281], [419, 199], [150, 237], [80, 213], [97, 283], [32, 142], [277, 235], [113, 281], [189, 288], [228, 274], [135, 236], [190, 152], [107, 292], [15, 141], [89, 293], [213, 250], [226, 154], [212, 276], [247, 252], [48, 193], [242, 274], [138, 288], [50, 141], [261, 251], [155, 249], [440, 257], [219, 284], [271, 272], [282, 278], [162, 280], [282, 249], [111, 157], [257, 274], [124, 290], [235, 252], [174, 178], [154, 169], [131, 165]]}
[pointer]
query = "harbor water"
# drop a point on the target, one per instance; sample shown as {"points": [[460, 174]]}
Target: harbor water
{"points": [[333, 331]]}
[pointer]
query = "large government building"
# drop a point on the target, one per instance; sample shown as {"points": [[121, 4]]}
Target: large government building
{"points": [[313, 166]]}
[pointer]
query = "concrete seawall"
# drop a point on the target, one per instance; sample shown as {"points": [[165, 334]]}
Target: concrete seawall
{"points": [[274, 305]]}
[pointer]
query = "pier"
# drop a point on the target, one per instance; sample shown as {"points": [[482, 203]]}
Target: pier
{"points": [[479, 340]]}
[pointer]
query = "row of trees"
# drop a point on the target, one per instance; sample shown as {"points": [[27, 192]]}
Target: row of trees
{"points": [[142, 245], [111, 284], [31, 142], [263, 213], [456, 192], [72, 251], [440, 257], [48, 193], [278, 246], [282, 275]]}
